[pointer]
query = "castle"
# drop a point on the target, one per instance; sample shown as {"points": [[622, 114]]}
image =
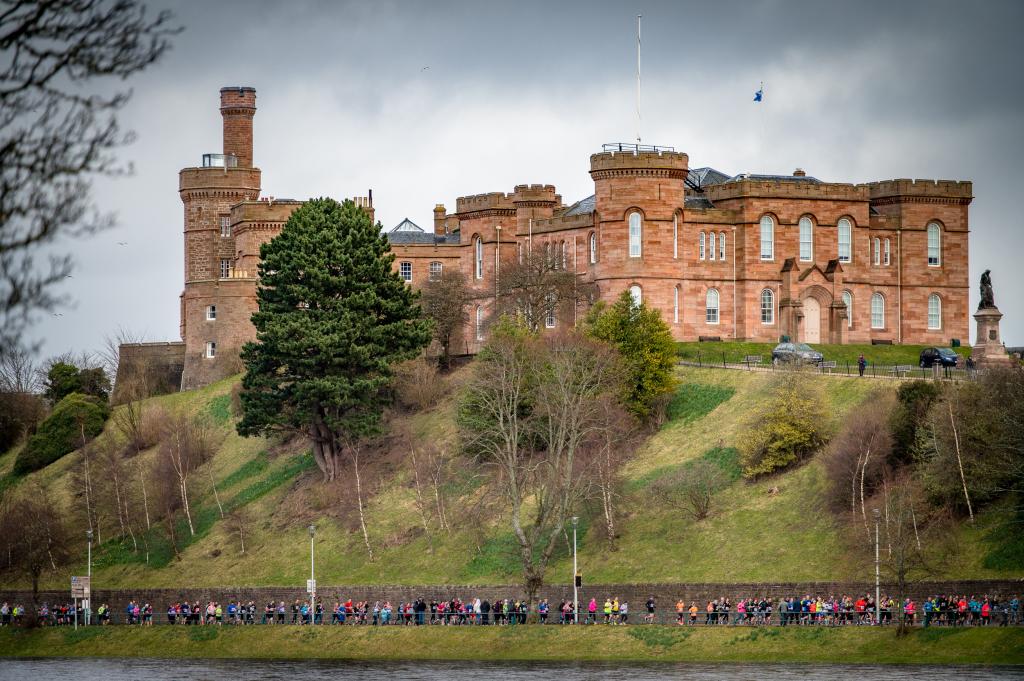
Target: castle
{"points": [[753, 257]]}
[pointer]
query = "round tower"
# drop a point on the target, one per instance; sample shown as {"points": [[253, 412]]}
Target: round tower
{"points": [[216, 304]]}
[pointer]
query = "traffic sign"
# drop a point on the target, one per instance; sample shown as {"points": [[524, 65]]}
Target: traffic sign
{"points": [[311, 586], [80, 587]]}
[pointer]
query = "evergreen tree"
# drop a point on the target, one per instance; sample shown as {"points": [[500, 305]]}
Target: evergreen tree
{"points": [[333, 321], [646, 345]]}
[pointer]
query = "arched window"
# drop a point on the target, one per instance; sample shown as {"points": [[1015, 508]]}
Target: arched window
{"points": [[211, 313], [848, 302], [767, 306], [675, 235], [405, 269], [635, 233], [479, 247], [767, 238], [593, 248], [547, 256], [702, 237], [565, 258], [711, 306], [806, 239], [711, 246], [845, 229], [887, 254], [636, 294], [878, 251], [721, 245], [934, 311], [877, 311], [675, 304], [934, 245], [479, 323]]}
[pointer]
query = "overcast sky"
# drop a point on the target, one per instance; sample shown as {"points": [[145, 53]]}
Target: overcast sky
{"points": [[426, 101]]}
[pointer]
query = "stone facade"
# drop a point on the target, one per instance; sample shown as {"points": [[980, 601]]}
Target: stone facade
{"points": [[819, 262]]}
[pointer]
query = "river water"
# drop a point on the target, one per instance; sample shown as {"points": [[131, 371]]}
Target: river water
{"points": [[56, 669]]}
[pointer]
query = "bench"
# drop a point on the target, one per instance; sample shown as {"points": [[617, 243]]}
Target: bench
{"points": [[829, 366], [751, 360], [901, 370], [881, 341], [709, 339]]}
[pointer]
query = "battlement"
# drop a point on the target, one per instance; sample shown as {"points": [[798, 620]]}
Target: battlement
{"points": [[219, 179], [491, 201], [786, 189], [535, 193], [639, 162], [563, 222], [944, 189], [267, 209]]}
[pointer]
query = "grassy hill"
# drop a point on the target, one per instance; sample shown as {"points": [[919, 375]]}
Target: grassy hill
{"points": [[772, 530]]}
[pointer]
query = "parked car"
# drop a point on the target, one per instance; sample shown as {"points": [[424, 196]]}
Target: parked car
{"points": [[941, 356], [796, 353]]}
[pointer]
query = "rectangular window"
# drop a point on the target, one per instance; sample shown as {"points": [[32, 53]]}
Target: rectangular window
{"points": [[225, 268], [845, 240], [435, 270], [211, 349], [887, 253], [675, 236], [878, 251], [767, 239], [806, 240], [211, 313], [702, 237], [405, 269], [721, 246], [711, 246], [225, 225], [934, 241], [635, 232], [934, 312]]}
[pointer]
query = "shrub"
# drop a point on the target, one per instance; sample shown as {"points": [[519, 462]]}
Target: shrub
{"points": [[857, 458], [20, 413], [418, 385], [914, 400], [61, 433], [786, 429]]}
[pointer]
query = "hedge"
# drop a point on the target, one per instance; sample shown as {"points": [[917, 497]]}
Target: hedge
{"points": [[61, 432]]}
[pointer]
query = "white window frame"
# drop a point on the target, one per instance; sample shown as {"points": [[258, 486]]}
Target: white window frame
{"points": [[767, 244], [225, 226], [806, 239], [887, 253], [593, 248], [405, 270], [711, 246], [848, 302], [702, 238], [878, 252], [211, 350], [637, 294], [551, 316], [636, 234], [565, 259], [769, 318], [877, 311], [711, 312], [436, 269], [675, 304], [478, 248], [479, 322], [211, 313], [225, 268], [937, 324], [934, 251], [721, 246], [844, 228]]}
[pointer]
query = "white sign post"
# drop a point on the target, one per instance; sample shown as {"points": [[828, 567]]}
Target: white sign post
{"points": [[79, 589], [311, 586]]}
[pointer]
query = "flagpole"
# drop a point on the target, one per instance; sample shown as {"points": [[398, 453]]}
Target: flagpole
{"points": [[638, 16]]}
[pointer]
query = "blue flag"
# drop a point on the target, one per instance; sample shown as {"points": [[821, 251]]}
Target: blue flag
{"points": [[759, 94]]}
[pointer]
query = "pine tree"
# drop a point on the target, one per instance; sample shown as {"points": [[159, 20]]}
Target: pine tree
{"points": [[333, 321]]}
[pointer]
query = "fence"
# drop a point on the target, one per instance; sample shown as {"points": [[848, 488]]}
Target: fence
{"points": [[722, 360]]}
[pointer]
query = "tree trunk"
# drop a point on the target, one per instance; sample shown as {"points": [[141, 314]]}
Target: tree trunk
{"points": [[184, 502], [359, 500], [216, 496], [959, 461], [145, 497], [420, 504]]}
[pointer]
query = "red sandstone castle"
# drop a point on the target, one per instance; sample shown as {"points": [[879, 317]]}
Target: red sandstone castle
{"points": [[738, 257]]}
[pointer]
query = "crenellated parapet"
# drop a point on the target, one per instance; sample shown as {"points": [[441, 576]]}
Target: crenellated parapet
{"points": [[786, 189], [200, 183], [535, 195], [921, 191], [493, 201], [611, 164]]}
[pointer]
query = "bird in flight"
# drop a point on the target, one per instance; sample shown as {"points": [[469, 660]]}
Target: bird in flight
{"points": [[58, 314], [424, 69], [122, 243]]}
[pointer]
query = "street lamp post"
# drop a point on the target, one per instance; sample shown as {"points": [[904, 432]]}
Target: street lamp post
{"points": [[312, 577], [877, 514], [88, 603], [575, 576]]}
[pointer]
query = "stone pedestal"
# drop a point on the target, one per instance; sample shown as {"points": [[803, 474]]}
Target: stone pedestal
{"points": [[988, 348]]}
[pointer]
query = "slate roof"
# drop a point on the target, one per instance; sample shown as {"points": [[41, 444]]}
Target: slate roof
{"points": [[411, 237], [406, 225], [706, 176], [697, 202], [581, 207], [776, 178]]}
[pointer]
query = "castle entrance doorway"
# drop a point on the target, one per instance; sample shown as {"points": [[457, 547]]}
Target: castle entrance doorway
{"points": [[812, 320]]}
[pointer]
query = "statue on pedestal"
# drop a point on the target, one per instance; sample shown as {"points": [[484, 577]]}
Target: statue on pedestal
{"points": [[987, 297]]}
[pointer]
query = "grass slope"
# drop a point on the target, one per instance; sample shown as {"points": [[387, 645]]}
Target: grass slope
{"points": [[755, 532], [990, 646]]}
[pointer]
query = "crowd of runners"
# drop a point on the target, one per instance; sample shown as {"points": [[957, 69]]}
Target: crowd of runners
{"points": [[939, 610]]}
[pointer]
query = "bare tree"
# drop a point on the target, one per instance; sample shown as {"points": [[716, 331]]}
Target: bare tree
{"points": [[237, 523], [538, 286], [19, 372], [691, 488], [530, 407], [444, 299], [58, 131], [34, 528], [187, 445], [607, 449]]}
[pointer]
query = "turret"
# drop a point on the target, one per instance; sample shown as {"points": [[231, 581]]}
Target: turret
{"points": [[237, 107]]}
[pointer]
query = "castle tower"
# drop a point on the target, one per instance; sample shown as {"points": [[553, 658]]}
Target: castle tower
{"points": [[644, 185], [216, 304]]}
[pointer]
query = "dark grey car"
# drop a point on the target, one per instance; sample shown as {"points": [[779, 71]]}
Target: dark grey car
{"points": [[795, 353]]}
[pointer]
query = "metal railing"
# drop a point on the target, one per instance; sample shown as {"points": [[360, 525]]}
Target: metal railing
{"points": [[630, 147], [722, 360]]}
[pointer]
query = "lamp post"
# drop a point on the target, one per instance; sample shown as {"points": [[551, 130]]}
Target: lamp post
{"points": [[877, 514], [312, 578], [575, 576], [88, 602]]}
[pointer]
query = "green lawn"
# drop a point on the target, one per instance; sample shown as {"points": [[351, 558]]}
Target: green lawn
{"points": [[986, 646], [735, 351]]}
